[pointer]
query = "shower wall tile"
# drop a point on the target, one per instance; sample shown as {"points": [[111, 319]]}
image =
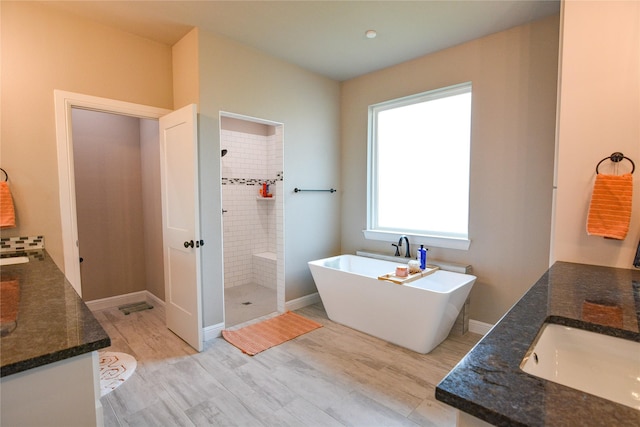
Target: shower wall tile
{"points": [[264, 269], [249, 223]]}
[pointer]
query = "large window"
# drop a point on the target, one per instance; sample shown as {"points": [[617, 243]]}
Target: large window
{"points": [[418, 183]]}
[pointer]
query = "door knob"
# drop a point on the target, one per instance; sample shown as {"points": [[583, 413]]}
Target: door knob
{"points": [[188, 244], [199, 243]]}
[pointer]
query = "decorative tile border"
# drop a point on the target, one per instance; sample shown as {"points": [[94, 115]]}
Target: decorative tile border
{"points": [[252, 181], [32, 254], [14, 244]]}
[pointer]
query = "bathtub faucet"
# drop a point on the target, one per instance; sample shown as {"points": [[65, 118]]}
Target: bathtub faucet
{"points": [[408, 252], [397, 250]]}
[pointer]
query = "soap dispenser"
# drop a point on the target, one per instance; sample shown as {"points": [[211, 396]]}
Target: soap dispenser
{"points": [[422, 257]]}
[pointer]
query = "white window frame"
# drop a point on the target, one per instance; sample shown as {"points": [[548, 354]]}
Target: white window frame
{"points": [[371, 233]]}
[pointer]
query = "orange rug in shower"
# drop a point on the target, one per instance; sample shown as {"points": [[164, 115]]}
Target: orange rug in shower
{"points": [[260, 336]]}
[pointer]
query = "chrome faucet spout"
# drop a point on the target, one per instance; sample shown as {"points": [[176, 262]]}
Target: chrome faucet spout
{"points": [[408, 251]]}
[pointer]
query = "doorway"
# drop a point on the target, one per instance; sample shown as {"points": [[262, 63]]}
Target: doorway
{"points": [[252, 203], [118, 206], [177, 132], [64, 104]]}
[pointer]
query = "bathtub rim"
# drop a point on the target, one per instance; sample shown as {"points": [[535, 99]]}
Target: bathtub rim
{"points": [[429, 278], [444, 265]]}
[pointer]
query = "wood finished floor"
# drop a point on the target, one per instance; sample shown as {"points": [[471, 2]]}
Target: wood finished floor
{"points": [[333, 376]]}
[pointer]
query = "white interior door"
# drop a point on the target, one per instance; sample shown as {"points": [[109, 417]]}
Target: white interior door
{"points": [[181, 224]]}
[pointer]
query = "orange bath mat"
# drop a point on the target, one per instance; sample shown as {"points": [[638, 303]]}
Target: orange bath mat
{"points": [[260, 336]]}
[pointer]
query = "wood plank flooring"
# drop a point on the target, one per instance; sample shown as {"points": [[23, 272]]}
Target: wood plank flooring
{"points": [[333, 376]]}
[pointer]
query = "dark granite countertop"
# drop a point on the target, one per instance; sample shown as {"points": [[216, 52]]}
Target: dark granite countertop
{"points": [[52, 322], [488, 382]]}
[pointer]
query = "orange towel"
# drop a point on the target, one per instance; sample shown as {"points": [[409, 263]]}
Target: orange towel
{"points": [[7, 211], [9, 300], [610, 208], [602, 314]]}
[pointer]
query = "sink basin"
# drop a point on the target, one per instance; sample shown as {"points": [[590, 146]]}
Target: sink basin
{"points": [[14, 260], [602, 365]]}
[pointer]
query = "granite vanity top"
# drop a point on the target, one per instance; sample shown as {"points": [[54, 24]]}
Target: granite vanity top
{"points": [[488, 382], [43, 318]]}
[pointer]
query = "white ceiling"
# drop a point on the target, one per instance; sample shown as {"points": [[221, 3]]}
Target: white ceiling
{"points": [[327, 37]]}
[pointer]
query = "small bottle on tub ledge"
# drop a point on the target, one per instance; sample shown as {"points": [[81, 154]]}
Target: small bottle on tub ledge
{"points": [[422, 257]]}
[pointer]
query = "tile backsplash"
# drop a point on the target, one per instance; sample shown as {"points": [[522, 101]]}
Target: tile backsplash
{"points": [[15, 244]]}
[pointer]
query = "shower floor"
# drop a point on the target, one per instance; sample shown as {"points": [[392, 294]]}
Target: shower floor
{"points": [[247, 302]]}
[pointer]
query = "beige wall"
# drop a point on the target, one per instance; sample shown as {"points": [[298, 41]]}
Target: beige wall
{"points": [[513, 130], [240, 80], [186, 70], [599, 113], [42, 50]]}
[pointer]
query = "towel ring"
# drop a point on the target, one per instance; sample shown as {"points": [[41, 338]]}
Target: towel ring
{"points": [[616, 158], [6, 175]]}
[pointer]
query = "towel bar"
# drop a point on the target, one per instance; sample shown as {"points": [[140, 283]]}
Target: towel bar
{"points": [[331, 190]]}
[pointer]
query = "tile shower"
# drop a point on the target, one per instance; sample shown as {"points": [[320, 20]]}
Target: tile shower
{"points": [[252, 225]]}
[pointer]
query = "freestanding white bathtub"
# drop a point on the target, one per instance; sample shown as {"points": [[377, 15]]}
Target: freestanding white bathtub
{"points": [[417, 315]]}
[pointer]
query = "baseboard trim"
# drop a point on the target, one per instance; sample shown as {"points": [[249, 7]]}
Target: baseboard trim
{"points": [[478, 327], [302, 302], [118, 300], [104, 303], [213, 331], [152, 299]]}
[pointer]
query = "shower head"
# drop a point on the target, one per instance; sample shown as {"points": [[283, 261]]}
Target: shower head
{"points": [[224, 153]]}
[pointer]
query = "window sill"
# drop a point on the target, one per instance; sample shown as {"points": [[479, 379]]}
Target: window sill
{"points": [[428, 241]]}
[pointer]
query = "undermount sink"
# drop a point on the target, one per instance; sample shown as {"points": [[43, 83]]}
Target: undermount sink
{"points": [[14, 260], [602, 365]]}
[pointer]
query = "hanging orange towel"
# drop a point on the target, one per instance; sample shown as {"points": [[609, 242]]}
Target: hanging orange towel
{"points": [[7, 211], [610, 208]]}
